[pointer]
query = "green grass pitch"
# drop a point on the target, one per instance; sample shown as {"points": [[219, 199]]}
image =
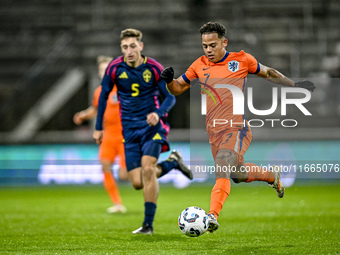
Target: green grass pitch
{"points": [[72, 220]]}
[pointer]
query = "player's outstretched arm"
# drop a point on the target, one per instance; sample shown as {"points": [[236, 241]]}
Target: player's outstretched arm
{"points": [[168, 102], [174, 86], [275, 76], [306, 85], [86, 114]]}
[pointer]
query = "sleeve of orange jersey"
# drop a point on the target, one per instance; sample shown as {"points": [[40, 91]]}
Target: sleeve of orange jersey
{"points": [[96, 94], [253, 64], [191, 74]]}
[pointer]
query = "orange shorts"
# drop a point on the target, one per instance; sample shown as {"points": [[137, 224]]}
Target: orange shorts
{"points": [[236, 140], [111, 147]]}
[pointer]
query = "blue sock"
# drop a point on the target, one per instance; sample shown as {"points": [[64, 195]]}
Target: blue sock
{"points": [[167, 166], [149, 213]]}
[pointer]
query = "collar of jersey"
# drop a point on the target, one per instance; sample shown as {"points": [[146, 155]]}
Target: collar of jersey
{"points": [[224, 58], [145, 59]]}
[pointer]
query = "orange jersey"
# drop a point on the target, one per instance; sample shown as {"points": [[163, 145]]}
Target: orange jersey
{"points": [[232, 69], [112, 144], [112, 112]]}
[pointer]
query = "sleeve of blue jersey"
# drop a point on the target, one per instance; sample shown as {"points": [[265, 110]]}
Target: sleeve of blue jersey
{"points": [[106, 89], [168, 102]]}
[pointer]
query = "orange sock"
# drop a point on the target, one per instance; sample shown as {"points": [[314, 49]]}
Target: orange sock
{"points": [[112, 188], [219, 194], [256, 173]]}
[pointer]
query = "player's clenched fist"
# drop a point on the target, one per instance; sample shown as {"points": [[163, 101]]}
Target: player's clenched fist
{"points": [[168, 74], [306, 85], [98, 136], [78, 118], [152, 119]]}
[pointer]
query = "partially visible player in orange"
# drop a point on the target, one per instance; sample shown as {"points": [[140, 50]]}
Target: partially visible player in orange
{"points": [[228, 142], [112, 144]]}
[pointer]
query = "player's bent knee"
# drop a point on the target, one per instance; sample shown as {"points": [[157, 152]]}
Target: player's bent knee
{"points": [[222, 175], [137, 186], [237, 178], [149, 171]]}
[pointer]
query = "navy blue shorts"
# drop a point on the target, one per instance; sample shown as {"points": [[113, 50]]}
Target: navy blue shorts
{"points": [[141, 141]]}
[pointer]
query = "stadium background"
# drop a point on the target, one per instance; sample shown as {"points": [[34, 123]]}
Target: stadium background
{"points": [[48, 53], [48, 72]]}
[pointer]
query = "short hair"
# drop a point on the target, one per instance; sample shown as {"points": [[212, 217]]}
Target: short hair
{"points": [[131, 32], [103, 59], [213, 27]]}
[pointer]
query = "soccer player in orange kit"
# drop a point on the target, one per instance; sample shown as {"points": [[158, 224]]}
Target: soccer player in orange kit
{"points": [[228, 143], [112, 144]]}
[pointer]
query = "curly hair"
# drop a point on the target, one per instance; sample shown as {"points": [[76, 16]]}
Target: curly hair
{"points": [[213, 27]]}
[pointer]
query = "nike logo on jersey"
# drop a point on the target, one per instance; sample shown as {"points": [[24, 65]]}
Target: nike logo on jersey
{"points": [[123, 76], [206, 68]]}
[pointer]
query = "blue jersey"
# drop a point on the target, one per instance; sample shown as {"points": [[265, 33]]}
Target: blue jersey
{"points": [[138, 91]]}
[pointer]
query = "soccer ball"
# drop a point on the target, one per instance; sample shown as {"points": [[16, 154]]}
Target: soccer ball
{"points": [[193, 221]]}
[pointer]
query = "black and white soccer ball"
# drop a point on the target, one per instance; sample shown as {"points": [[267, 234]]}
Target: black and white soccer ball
{"points": [[193, 221]]}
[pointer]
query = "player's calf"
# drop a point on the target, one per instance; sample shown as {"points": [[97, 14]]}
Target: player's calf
{"points": [[135, 178]]}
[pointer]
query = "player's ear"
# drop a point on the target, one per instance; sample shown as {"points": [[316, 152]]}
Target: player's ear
{"points": [[225, 42], [141, 44]]}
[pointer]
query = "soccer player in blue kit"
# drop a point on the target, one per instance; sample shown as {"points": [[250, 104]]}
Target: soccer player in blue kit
{"points": [[144, 129]]}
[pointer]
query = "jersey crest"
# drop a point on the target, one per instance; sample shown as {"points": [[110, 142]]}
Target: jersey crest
{"points": [[147, 75], [233, 66]]}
